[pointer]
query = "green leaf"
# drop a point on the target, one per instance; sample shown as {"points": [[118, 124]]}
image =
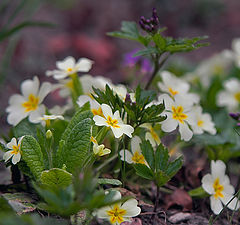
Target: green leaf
{"points": [[144, 171], [6, 33], [174, 166], [25, 128], [3, 147], [147, 51], [128, 31], [76, 146], [148, 153], [109, 181], [159, 41], [32, 155], [56, 178], [161, 178], [161, 158], [102, 134], [198, 193]]}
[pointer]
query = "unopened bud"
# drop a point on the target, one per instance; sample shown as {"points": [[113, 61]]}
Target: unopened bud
{"points": [[235, 116], [49, 134]]}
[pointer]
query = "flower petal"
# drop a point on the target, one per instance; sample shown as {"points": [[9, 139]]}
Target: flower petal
{"points": [[100, 121], [45, 89], [16, 158], [135, 144], [7, 155], [84, 65], [131, 208], [30, 87], [107, 111], [68, 62], [12, 143], [218, 169], [169, 124], [185, 132], [128, 156], [207, 184], [216, 205]]}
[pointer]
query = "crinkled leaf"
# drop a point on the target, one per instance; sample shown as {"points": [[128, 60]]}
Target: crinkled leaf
{"points": [[32, 155], [56, 178], [25, 128], [76, 146]]}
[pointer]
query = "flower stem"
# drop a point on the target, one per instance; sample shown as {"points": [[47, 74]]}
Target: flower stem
{"points": [[156, 203], [157, 67]]}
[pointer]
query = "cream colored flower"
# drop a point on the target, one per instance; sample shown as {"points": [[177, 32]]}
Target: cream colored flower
{"points": [[28, 104], [203, 122], [15, 151], [113, 121], [94, 105], [45, 119], [230, 97], [99, 150], [236, 51], [179, 115], [69, 66], [217, 184], [175, 86], [136, 155], [119, 212], [151, 135]]}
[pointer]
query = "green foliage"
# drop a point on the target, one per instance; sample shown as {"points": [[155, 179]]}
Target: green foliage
{"points": [[4, 206], [160, 169], [75, 142], [198, 193], [156, 43], [137, 111], [32, 155], [3, 147], [25, 128], [109, 181], [56, 178]]}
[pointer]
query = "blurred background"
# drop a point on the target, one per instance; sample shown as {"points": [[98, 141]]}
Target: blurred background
{"points": [[80, 28]]}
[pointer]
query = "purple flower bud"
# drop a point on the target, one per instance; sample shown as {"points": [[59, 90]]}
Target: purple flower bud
{"points": [[238, 124], [148, 21], [142, 18], [148, 28], [142, 25], [128, 98], [235, 116]]}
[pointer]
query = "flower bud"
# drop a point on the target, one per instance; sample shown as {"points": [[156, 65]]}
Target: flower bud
{"points": [[49, 134]]}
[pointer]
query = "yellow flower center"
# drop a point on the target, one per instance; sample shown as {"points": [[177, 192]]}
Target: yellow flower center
{"points": [[200, 123], [93, 140], [112, 123], [116, 214], [69, 69], [155, 136], [178, 114], [218, 188], [237, 96], [97, 112], [31, 104], [16, 149], [138, 158], [173, 93]]}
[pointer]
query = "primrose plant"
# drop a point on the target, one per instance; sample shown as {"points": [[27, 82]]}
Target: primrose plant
{"points": [[104, 124]]}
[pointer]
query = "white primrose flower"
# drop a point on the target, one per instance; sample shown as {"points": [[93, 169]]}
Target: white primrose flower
{"points": [[69, 66], [203, 122], [178, 115], [136, 155], [45, 119], [15, 151], [175, 86], [113, 121], [236, 51], [28, 104], [217, 184], [119, 212], [151, 135], [99, 150], [94, 105], [121, 91], [230, 97], [218, 64]]}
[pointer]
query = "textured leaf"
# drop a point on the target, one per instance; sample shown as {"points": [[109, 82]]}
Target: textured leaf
{"points": [[56, 178], [109, 181], [25, 128], [161, 158], [162, 178], [32, 155], [174, 166], [143, 171], [77, 143], [148, 153]]}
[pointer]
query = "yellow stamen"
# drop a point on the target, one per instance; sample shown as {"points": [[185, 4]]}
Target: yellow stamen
{"points": [[178, 114], [116, 214], [173, 93], [200, 123], [218, 188], [93, 140], [138, 158], [69, 69], [16, 149], [97, 112], [112, 123], [237, 96], [31, 104]]}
